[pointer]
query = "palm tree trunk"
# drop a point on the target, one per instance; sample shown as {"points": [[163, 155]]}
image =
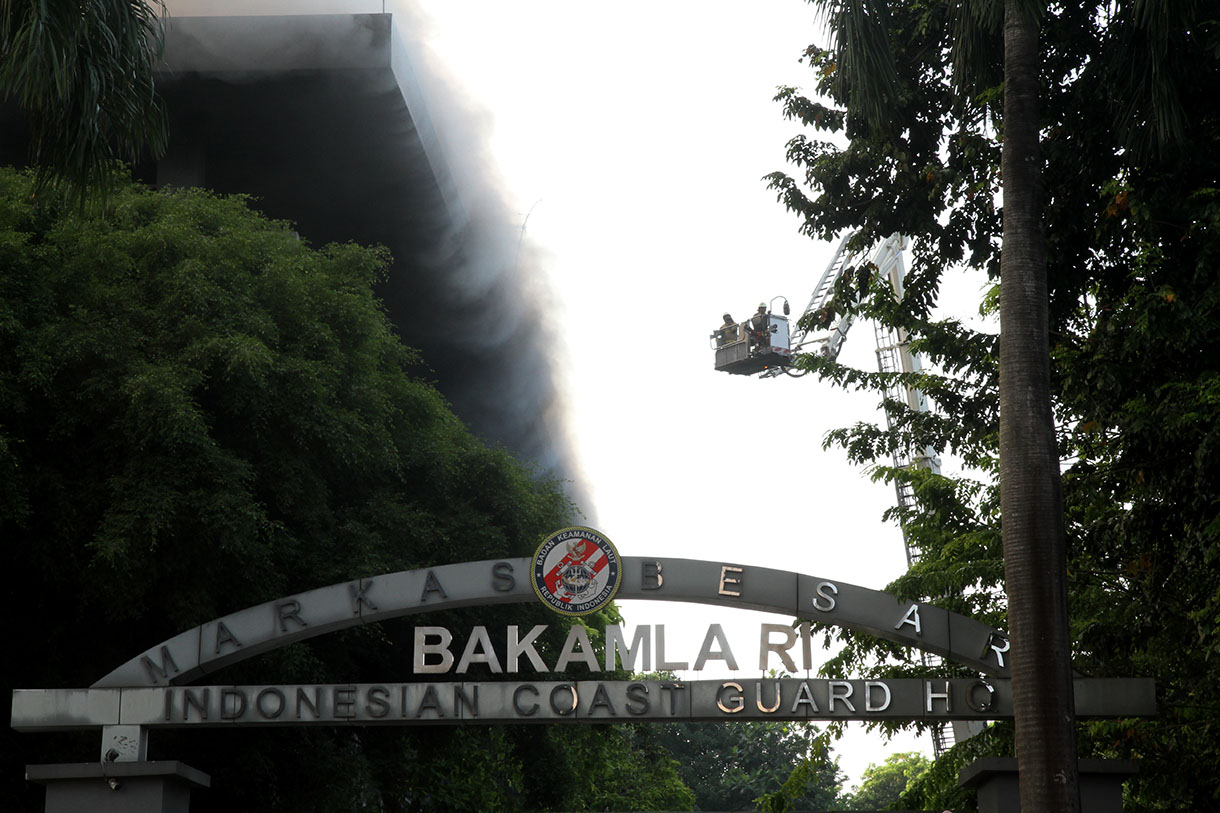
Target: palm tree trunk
{"points": [[1030, 499]]}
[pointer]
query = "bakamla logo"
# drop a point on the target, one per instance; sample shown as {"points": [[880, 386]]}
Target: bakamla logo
{"points": [[576, 571]]}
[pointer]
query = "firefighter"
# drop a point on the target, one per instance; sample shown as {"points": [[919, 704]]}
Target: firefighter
{"points": [[727, 334], [759, 323]]}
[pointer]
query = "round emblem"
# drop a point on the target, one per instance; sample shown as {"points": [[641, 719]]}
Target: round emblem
{"points": [[576, 571]]}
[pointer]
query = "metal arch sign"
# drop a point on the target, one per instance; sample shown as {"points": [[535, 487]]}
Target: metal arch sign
{"points": [[149, 690], [204, 649], [584, 701]]}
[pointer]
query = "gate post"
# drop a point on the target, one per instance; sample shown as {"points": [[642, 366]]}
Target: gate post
{"points": [[118, 787], [995, 780]]}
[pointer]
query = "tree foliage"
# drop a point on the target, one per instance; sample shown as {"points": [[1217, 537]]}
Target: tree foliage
{"points": [[768, 765], [1129, 138], [883, 785], [82, 72], [198, 413]]}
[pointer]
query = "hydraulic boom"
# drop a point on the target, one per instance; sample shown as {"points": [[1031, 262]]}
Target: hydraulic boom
{"points": [[765, 346]]}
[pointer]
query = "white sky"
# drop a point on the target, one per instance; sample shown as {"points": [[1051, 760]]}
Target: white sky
{"points": [[639, 132]]}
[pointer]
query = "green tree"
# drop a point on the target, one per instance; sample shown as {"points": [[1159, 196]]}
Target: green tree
{"points": [[882, 785], [779, 766], [1129, 218], [1031, 504], [82, 72], [627, 767], [198, 413], [1033, 530]]}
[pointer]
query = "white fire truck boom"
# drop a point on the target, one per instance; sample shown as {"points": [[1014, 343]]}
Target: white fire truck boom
{"points": [[745, 349], [826, 338], [764, 346]]}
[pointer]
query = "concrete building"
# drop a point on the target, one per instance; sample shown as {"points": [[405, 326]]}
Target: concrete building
{"points": [[330, 116]]}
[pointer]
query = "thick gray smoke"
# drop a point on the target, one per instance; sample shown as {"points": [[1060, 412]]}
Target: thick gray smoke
{"points": [[306, 114]]}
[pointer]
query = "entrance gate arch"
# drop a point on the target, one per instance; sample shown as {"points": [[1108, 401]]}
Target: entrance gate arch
{"points": [[215, 644], [156, 687]]}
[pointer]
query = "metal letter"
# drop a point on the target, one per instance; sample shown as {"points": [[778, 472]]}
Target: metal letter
{"points": [[804, 696], [765, 647], [238, 705], [502, 579], [826, 591], [462, 701], [672, 690], [290, 609], [377, 702], [637, 693], [986, 705], [578, 639], [429, 701], [738, 701], [564, 711], [662, 664], [601, 698], [161, 670], [303, 699], [344, 700], [431, 585], [225, 636], [726, 580], [652, 578], [758, 698], [998, 644], [806, 646], [280, 702], [912, 618], [841, 696], [532, 710], [715, 634], [423, 649], [200, 702], [930, 696], [641, 644], [359, 590], [478, 638], [869, 685], [525, 646]]}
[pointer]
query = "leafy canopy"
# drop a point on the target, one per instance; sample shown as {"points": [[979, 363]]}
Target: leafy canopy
{"points": [[740, 766], [1129, 140], [199, 412]]}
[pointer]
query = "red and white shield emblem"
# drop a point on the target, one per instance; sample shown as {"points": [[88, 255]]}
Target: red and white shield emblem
{"points": [[576, 571]]}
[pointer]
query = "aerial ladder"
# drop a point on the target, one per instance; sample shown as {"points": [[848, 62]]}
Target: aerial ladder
{"points": [[766, 344]]}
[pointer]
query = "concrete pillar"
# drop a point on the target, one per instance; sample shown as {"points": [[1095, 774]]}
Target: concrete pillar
{"points": [[118, 787], [995, 780]]}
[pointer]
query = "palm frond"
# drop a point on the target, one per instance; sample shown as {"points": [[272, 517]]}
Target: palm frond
{"points": [[865, 76], [83, 74]]}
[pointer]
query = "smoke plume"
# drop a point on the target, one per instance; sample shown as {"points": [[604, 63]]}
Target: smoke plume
{"points": [[339, 124]]}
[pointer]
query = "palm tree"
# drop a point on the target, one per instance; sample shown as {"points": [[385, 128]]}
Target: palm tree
{"points": [[82, 72], [1031, 501], [1031, 504]]}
